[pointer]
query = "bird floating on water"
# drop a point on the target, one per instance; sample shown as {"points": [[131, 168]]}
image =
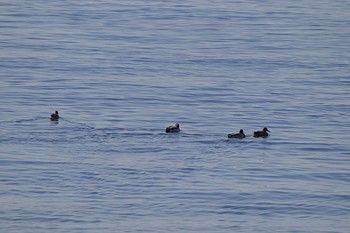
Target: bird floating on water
{"points": [[173, 128], [261, 133], [54, 116], [237, 135]]}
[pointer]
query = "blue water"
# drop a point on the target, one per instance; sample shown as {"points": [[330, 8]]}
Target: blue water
{"points": [[119, 72]]}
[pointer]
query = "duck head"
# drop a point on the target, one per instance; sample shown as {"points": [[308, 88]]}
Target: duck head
{"points": [[266, 130]]}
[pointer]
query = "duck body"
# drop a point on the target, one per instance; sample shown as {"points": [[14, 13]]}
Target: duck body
{"points": [[261, 133], [54, 116], [173, 128], [237, 135]]}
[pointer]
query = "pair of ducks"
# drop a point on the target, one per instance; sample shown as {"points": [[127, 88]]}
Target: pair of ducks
{"points": [[171, 129], [256, 134], [261, 133]]}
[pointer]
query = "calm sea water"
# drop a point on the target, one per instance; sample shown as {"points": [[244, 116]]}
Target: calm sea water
{"points": [[119, 72]]}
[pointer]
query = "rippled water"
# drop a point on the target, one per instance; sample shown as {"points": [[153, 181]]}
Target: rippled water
{"points": [[120, 72]]}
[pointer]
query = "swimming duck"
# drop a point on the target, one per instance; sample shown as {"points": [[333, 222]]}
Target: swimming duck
{"points": [[237, 135], [54, 116], [173, 129], [261, 133]]}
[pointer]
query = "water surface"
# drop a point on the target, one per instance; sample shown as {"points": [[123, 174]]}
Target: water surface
{"points": [[120, 72]]}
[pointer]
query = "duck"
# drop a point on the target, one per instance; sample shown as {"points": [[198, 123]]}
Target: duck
{"points": [[173, 128], [261, 133], [237, 135], [54, 116]]}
